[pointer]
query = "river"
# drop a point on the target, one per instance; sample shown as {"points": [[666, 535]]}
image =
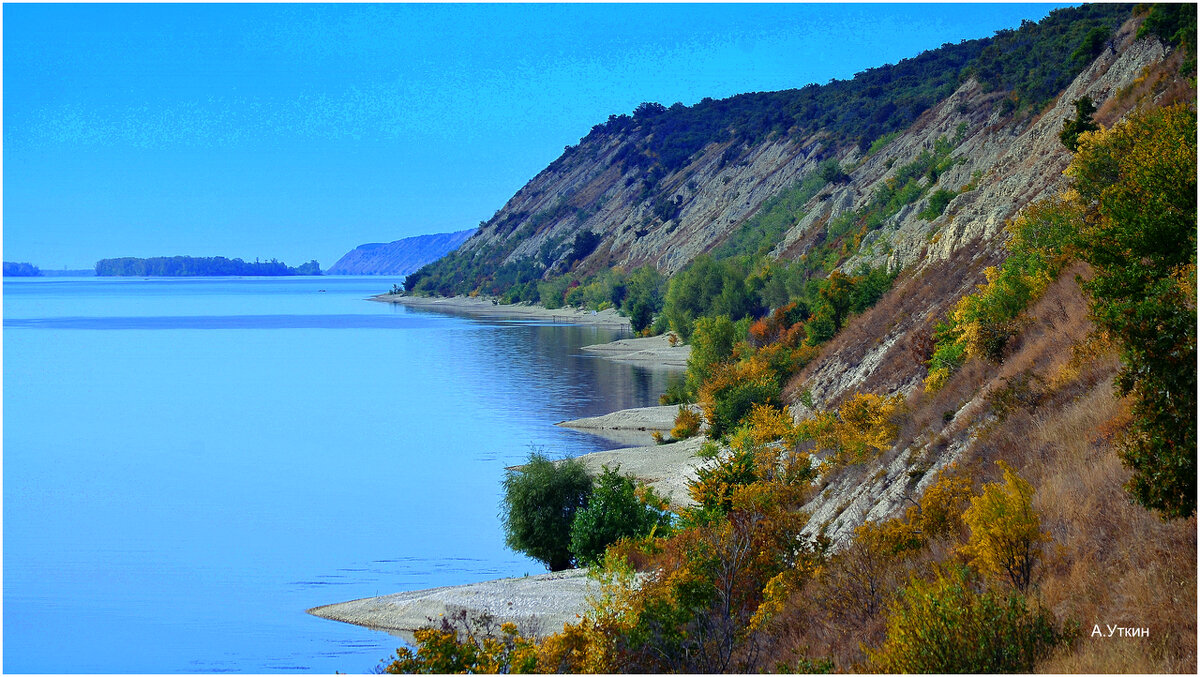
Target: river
{"points": [[190, 463]]}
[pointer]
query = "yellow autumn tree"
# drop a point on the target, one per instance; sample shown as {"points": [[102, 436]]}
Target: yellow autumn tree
{"points": [[687, 423], [939, 511], [462, 645], [865, 425], [1006, 533], [732, 390]]}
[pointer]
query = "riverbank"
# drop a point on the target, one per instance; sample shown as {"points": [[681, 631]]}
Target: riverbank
{"points": [[667, 468], [655, 352], [478, 306], [538, 605]]}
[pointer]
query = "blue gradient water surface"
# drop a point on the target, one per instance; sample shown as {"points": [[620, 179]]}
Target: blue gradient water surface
{"points": [[189, 464]]}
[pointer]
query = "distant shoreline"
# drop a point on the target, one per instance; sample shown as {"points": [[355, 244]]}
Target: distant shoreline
{"points": [[478, 306]]}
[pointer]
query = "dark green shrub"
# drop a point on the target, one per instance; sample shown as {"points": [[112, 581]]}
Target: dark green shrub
{"points": [[540, 503], [1083, 122], [732, 391], [938, 202], [645, 289], [613, 512], [677, 393]]}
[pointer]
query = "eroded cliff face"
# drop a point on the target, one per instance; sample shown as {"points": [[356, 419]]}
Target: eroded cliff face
{"points": [[997, 165], [1008, 161], [1015, 163], [587, 191], [943, 259]]}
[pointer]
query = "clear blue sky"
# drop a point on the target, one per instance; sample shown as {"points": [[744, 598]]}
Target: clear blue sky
{"points": [[301, 131]]}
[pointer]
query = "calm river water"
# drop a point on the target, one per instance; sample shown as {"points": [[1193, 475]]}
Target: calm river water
{"points": [[191, 463]]}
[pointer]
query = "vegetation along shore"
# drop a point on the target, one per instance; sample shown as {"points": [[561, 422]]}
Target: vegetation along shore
{"points": [[939, 403]]}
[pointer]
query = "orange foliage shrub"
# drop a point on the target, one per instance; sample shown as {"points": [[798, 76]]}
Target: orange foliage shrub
{"points": [[687, 423]]}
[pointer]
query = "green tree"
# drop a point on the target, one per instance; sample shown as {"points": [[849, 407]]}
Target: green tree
{"points": [[1174, 24], [540, 502], [1137, 188], [1083, 122], [644, 291], [712, 343], [613, 512], [708, 287]]}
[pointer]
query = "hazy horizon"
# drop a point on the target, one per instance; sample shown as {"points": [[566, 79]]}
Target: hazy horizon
{"points": [[299, 132]]}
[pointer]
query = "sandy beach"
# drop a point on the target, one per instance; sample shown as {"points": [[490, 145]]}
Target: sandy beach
{"points": [[654, 352], [487, 307], [538, 605], [666, 467]]}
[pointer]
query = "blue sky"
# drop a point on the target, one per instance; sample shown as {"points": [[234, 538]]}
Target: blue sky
{"points": [[301, 131]]}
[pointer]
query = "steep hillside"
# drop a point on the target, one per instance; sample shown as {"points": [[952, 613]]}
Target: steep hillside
{"points": [[400, 257], [665, 185], [948, 373]]}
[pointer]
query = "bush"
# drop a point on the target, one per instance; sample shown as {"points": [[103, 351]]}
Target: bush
{"points": [[1083, 122], [540, 503], [734, 388], [465, 646], [677, 393], [938, 514], [613, 512], [712, 342], [644, 293], [706, 288], [938, 201], [714, 485], [1006, 536], [863, 427], [947, 626], [687, 423]]}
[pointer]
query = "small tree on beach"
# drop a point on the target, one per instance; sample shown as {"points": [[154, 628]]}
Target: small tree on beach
{"points": [[540, 502]]}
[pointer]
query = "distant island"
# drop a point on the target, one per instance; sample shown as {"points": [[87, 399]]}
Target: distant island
{"points": [[12, 269], [186, 266], [400, 257]]}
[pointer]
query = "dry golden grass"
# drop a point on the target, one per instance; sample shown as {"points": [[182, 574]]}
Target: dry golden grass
{"points": [[1158, 83], [1117, 563], [1111, 563]]}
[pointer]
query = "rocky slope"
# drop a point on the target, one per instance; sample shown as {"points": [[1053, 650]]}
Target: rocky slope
{"points": [[992, 164], [400, 257], [626, 187], [944, 259]]}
